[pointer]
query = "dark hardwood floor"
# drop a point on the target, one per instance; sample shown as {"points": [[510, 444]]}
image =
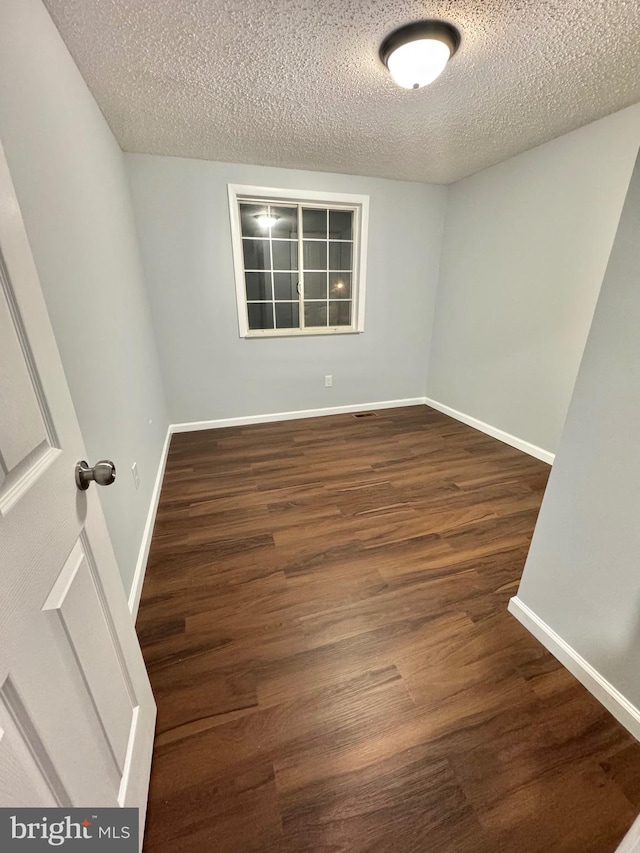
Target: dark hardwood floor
{"points": [[324, 621]]}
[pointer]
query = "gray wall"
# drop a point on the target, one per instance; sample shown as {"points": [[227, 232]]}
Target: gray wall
{"points": [[526, 246], [69, 177], [582, 575], [210, 372]]}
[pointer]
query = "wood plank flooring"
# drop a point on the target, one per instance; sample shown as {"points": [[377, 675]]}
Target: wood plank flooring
{"points": [[324, 621]]}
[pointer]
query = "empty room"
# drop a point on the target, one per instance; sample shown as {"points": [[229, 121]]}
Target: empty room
{"points": [[319, 413]]}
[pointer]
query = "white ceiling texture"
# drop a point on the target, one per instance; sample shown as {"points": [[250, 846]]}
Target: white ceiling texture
{"points": [[298, 83]]}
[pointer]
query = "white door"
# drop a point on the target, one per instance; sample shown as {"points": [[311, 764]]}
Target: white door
{"points": [[77, 714]]}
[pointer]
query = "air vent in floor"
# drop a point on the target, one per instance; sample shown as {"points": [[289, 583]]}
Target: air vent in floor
{"points": [[366, 415]]}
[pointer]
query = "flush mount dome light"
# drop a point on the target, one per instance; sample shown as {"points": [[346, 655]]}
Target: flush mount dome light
{"points": [[417, 53]]}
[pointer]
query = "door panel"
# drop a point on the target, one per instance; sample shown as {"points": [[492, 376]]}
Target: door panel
{"points": [[25, 439], [29, 776], [87, 634], [18, 440]]}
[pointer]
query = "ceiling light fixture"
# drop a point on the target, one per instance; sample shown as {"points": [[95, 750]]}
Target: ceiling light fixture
{"points": [[417, 53], [265, 220]]}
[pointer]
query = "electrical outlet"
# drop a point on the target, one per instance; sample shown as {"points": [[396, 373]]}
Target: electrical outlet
{"points": [[328, 381], [136, 475]]}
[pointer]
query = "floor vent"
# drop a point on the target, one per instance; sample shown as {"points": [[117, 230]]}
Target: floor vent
{"points": [[366, 415]]}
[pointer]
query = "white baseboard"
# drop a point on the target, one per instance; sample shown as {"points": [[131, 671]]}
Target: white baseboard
{"points": [[145, 545], [624, 712], [292, 416], [494, 432], [631, 842]]}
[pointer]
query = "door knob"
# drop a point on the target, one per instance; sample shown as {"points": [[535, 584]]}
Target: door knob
{"points": [[103, 473]]}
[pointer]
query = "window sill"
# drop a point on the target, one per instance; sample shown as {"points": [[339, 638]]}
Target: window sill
{"points": [[256, 334]]}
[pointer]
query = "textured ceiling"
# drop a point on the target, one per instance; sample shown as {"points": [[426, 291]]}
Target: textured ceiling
{"points": [[298, 83]]}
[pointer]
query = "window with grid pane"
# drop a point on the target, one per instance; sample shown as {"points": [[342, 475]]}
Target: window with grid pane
{"points": [[299, 261]]}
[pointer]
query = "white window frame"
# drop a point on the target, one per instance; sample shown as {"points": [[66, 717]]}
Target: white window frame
{"points": [[358, 203]]}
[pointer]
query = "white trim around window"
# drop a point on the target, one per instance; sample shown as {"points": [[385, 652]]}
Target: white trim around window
{"points": [[359, 204]]}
